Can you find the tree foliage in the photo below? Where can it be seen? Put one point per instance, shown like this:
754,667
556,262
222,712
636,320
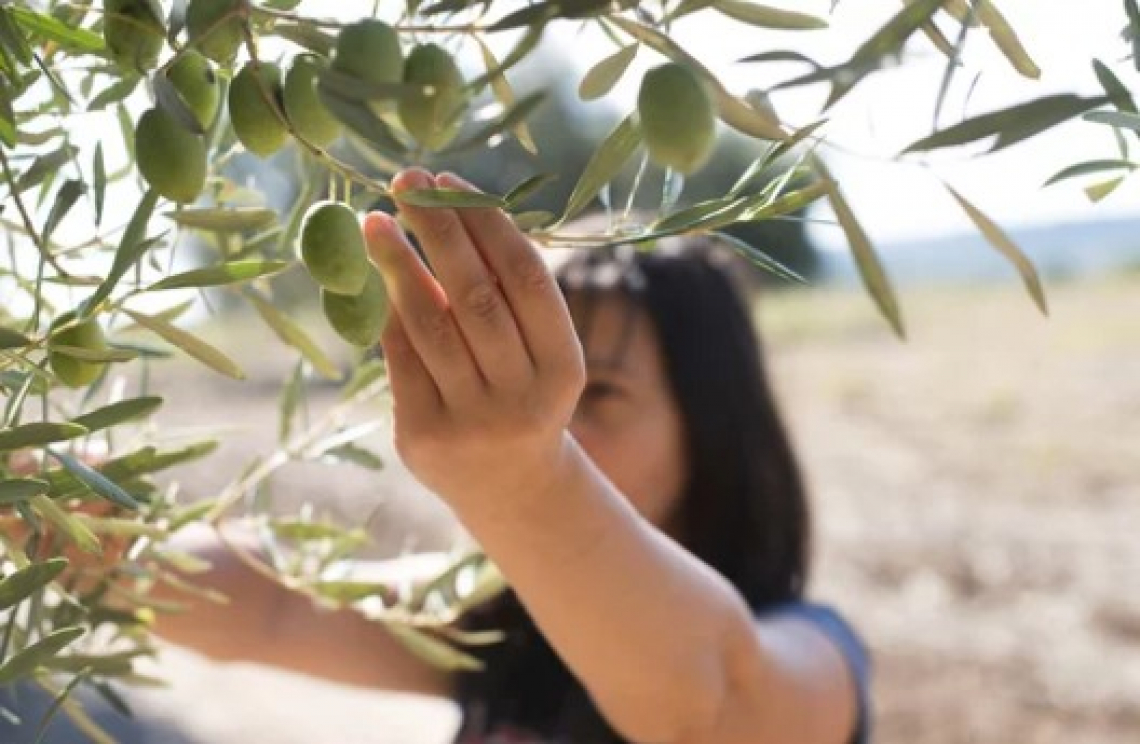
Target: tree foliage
192,94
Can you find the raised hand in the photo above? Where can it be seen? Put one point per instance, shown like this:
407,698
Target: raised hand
483,359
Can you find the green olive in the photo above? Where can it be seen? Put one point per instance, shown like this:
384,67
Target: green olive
70,370
170,157
312,121
677,116
193,76
359,318
332,248
432,109
134,32
257,126
215,27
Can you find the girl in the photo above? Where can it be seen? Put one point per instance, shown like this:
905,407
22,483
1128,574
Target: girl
607,434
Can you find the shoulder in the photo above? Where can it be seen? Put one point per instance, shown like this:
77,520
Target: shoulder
832,625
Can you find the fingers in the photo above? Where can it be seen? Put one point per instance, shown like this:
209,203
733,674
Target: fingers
412,385
419,301
535,300
473,293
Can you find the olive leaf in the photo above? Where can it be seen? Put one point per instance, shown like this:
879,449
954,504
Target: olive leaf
26,581
603,76
26,661
604,165
1002,243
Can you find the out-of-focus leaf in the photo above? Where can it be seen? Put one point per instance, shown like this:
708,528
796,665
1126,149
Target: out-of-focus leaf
356,455
604,165
109,354
132,246
504,94
16,490
120,412
298,530
1099,191
526,188
783,55
533,220
1006,38
8,132
24,582
307,36
12,339
1089,167
75,530
116,92
99,182
65,199
734,112
291,394
888,41
362,122
229,219
602,77
70,38
96,481
769,17
189,343
44,166
508,120
453,198
1115,119
215,276
293,335
24,663
1001,242
866,259
348,592
1115,90
38,434
1010,125
432,650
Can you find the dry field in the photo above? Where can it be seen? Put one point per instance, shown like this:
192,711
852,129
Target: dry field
977,500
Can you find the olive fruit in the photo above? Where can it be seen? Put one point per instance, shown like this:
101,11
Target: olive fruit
193,76
257,125
360,318
134,32
332,248
214,37
369,51
88,335
311,120
677,116
431,109
170,157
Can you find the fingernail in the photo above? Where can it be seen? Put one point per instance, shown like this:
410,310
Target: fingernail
456,181
413,178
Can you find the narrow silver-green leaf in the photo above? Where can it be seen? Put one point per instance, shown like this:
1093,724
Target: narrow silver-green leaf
229,219
871,269
69,37
189,343
758,257
1099,191
1013,124
1115,118
96,481
38,434
15,490
1002,243
99,182
602,77
1089,167
26,581
504,94
132,246
12,339
453,198
65,199
1115,90
768,17
432,650
293,335
28,660
120,412
75,530
109,354
604,165
215,276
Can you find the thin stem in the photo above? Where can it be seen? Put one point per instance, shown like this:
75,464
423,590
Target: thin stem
27,219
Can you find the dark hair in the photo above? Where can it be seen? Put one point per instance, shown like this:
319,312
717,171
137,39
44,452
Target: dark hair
744,510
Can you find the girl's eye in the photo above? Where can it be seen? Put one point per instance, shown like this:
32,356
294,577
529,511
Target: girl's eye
596,391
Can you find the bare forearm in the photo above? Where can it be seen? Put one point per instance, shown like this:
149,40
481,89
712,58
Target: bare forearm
640,620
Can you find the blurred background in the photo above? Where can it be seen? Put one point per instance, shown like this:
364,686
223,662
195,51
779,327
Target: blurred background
975,487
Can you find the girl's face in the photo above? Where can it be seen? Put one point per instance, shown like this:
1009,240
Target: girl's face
627,419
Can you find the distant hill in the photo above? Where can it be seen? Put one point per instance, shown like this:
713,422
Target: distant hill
1059,251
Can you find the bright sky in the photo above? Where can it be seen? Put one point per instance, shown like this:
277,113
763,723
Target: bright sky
886,112
892,109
